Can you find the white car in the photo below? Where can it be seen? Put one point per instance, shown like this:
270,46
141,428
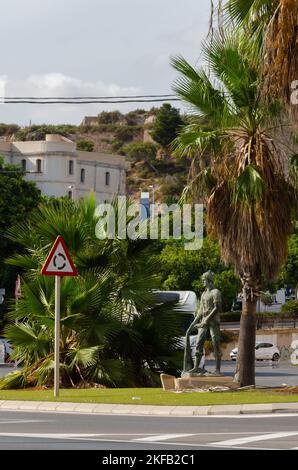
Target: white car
263,351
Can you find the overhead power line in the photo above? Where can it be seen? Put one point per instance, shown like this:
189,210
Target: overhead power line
88,99
84,97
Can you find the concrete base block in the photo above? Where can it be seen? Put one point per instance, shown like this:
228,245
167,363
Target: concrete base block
186,383
167,381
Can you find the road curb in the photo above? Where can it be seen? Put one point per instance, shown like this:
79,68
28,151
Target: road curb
147,410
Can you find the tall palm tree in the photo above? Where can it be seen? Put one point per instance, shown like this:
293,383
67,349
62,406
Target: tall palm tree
113,329
273,27
249,198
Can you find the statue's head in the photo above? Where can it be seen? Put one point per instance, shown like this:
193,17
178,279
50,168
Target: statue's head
208,278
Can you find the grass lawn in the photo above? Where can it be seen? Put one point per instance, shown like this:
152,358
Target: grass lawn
150,396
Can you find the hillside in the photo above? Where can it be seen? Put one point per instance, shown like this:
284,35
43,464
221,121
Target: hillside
127,134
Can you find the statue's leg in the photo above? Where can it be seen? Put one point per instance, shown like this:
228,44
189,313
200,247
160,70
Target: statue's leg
202,332
187,361
215,337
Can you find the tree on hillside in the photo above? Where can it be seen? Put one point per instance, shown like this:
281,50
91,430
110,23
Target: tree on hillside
85,145
166,125
249,198
17,199
138,151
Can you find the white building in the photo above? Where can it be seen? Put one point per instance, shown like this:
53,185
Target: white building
59,169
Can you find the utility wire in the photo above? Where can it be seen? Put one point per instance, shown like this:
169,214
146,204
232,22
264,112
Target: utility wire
83,97
88,101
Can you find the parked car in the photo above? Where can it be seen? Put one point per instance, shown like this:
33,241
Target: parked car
263,351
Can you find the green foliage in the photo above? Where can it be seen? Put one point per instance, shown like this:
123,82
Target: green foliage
135,117
86,145
141,151
127,133
181,269
112,117
166,125
17,199
117,145
38,132
112,330
266,298
289,272
290,308
8,129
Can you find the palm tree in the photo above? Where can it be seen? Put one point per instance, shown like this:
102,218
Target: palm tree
273,28
249,198
113,329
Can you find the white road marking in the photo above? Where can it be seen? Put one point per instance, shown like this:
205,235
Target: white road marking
162,437
247,416
48,435
21,421
245,440
160,441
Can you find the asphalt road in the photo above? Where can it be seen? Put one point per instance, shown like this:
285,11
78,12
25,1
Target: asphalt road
27,430
268,373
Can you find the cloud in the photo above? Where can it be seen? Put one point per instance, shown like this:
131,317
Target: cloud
58,85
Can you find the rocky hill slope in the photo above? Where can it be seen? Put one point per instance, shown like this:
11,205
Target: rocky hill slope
127,134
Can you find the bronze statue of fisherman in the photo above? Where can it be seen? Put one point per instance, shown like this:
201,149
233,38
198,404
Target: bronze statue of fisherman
206,319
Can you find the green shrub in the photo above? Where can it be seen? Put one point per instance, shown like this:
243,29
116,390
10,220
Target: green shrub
116,145
8,129
290,308
110,117
139,151
86,145
38,132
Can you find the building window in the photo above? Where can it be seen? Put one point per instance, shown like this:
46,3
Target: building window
38,165
23,163
108,178
70,194
70,167
83,175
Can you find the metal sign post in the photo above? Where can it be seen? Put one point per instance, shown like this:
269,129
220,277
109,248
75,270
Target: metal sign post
57,337
58,263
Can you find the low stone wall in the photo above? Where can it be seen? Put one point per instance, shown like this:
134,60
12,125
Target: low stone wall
280,337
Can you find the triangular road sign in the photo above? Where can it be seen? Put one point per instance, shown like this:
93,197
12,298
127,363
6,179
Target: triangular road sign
59,262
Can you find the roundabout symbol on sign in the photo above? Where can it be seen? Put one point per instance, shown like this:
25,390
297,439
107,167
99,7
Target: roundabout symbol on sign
63,260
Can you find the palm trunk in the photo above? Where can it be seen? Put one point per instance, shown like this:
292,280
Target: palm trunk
245,369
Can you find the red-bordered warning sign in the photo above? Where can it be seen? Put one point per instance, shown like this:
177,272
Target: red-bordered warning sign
59,262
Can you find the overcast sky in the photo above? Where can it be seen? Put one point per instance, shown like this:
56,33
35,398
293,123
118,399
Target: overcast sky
93,47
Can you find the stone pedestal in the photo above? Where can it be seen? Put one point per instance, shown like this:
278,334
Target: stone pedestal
168,382
187,383
171,383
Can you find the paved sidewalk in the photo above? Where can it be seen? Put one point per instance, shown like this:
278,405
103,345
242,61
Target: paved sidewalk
149,410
